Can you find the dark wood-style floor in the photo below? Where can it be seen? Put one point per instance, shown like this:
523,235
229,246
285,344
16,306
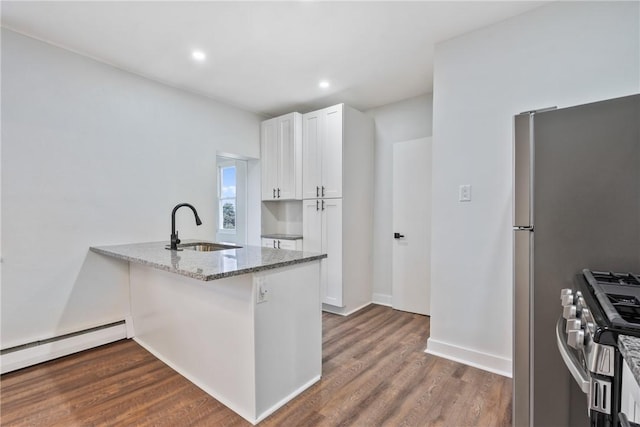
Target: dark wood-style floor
375,373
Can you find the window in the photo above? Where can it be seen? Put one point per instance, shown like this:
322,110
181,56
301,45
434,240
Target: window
232,200
227,199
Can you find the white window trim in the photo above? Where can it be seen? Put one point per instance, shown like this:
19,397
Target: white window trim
240,234
221,166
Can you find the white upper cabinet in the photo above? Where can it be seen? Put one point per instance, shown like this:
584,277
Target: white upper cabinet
332,152
281,157
269,158
311,162
322,153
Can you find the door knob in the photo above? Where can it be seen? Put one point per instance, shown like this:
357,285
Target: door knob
398,236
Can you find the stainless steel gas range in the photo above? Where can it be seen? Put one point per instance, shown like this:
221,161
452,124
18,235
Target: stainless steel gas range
600,307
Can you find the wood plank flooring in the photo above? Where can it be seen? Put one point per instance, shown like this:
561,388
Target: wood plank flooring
375,373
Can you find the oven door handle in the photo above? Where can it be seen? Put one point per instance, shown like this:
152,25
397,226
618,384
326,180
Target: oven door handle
577,371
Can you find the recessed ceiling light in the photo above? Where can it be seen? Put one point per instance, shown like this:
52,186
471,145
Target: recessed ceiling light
324,84
198,55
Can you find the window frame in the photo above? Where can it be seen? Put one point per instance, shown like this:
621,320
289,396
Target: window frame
221,199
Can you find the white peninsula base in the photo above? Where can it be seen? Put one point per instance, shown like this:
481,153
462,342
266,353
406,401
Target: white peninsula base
252,357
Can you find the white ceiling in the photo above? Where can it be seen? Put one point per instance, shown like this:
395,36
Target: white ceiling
266,57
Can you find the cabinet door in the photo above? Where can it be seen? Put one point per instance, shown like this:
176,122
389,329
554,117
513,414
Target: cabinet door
289,146
269,243
332,152
312,129
269,158
331,267
287,244
311,226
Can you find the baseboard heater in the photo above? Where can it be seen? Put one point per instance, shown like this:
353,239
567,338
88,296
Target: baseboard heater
29,354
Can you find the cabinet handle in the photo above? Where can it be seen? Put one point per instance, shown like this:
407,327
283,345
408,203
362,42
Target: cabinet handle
317,191
317,205
323,191
323,205
278,193
274,244
278,244
274,193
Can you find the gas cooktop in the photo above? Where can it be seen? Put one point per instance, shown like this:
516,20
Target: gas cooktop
618,295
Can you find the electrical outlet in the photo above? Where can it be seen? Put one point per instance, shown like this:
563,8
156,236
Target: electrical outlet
262,291
464,193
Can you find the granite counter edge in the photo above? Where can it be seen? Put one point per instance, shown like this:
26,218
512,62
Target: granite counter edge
630,350
208,277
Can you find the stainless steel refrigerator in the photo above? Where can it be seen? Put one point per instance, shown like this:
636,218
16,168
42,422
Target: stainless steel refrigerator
576,205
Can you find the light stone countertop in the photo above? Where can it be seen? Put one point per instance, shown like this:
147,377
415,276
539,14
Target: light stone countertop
206,265
282,236
630,350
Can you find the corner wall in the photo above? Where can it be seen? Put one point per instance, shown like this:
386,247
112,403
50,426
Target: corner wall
92,155
562,54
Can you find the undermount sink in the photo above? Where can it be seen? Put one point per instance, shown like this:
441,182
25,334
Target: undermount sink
206,246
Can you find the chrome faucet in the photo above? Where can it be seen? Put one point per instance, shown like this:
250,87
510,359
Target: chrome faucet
174,234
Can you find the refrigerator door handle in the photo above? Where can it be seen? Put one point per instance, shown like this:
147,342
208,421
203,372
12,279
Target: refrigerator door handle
523,171
522,328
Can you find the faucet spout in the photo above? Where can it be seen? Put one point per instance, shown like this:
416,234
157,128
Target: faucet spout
174,234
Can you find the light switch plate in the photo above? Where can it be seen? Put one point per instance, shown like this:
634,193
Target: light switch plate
464,193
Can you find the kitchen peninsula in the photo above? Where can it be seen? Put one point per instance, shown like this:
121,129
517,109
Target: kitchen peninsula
242,323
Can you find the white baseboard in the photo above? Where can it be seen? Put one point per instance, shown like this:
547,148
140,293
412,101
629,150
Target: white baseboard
342,311
53,349
284,401
477,359
382,299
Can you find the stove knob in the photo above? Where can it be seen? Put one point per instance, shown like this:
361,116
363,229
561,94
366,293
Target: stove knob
576,339
589,327
567,300
573,325
566,291
569,312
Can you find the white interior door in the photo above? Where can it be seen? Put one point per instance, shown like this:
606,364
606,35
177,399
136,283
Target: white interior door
412,220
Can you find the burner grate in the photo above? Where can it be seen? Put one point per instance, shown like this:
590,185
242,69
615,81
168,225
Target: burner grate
624,279
627,306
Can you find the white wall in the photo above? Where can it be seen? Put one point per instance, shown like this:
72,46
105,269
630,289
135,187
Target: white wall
92,155
397,122
562,54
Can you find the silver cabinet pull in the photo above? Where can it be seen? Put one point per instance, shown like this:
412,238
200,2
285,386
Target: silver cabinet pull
323,191
278,244
278,193
323,205
317,205
274,244
274,193
317,191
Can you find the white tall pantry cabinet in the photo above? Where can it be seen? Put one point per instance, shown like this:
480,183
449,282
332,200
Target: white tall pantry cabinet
337,216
